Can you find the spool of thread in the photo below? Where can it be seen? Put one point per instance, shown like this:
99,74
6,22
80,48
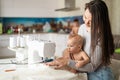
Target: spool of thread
12,42
18,41
22,42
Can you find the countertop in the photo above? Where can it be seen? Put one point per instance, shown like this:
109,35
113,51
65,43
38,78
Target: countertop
9,71
26,33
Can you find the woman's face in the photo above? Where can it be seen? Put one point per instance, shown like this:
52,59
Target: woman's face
87,18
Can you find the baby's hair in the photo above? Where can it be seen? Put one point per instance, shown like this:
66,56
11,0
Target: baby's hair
76,37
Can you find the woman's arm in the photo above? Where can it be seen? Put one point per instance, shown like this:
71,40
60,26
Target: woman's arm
85,60
95,62
87,68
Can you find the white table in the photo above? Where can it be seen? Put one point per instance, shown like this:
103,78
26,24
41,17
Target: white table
10,71
21,54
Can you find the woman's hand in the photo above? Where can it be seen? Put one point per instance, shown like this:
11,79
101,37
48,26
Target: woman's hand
53,63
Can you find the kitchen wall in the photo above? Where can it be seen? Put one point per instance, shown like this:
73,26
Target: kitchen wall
37,8
114,12
28,8
46,8
11,24
116,17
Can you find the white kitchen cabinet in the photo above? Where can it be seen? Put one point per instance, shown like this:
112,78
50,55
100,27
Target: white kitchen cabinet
4,51
59,39
61,42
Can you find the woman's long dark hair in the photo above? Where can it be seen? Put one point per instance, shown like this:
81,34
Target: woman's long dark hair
101,29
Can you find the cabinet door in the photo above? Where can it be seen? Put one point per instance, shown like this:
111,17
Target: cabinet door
4,51
60,41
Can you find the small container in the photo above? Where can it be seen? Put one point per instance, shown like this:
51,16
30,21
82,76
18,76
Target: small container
18,41
22,42
12,42
34,31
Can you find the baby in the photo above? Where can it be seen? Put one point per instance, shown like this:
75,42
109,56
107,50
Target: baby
73,52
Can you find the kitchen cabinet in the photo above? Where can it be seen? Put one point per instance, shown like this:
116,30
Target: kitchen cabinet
61,42
59,39
4,51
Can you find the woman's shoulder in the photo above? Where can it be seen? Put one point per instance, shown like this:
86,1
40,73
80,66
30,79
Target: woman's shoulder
82,26
82,29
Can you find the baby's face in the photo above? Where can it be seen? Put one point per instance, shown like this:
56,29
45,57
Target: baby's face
73,46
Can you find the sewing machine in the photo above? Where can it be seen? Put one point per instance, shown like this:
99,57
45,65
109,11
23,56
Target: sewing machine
40,50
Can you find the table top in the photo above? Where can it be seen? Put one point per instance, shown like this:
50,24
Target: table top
16,49
9,71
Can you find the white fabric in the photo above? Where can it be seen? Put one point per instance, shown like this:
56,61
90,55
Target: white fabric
12,42
39,72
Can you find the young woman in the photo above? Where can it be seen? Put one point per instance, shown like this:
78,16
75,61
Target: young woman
98,42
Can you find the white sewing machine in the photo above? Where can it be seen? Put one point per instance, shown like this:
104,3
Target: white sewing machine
38,51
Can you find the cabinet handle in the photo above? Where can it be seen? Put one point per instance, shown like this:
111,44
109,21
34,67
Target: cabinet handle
3,46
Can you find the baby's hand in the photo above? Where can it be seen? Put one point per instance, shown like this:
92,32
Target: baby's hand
74,71
50,63
58,63
53,63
